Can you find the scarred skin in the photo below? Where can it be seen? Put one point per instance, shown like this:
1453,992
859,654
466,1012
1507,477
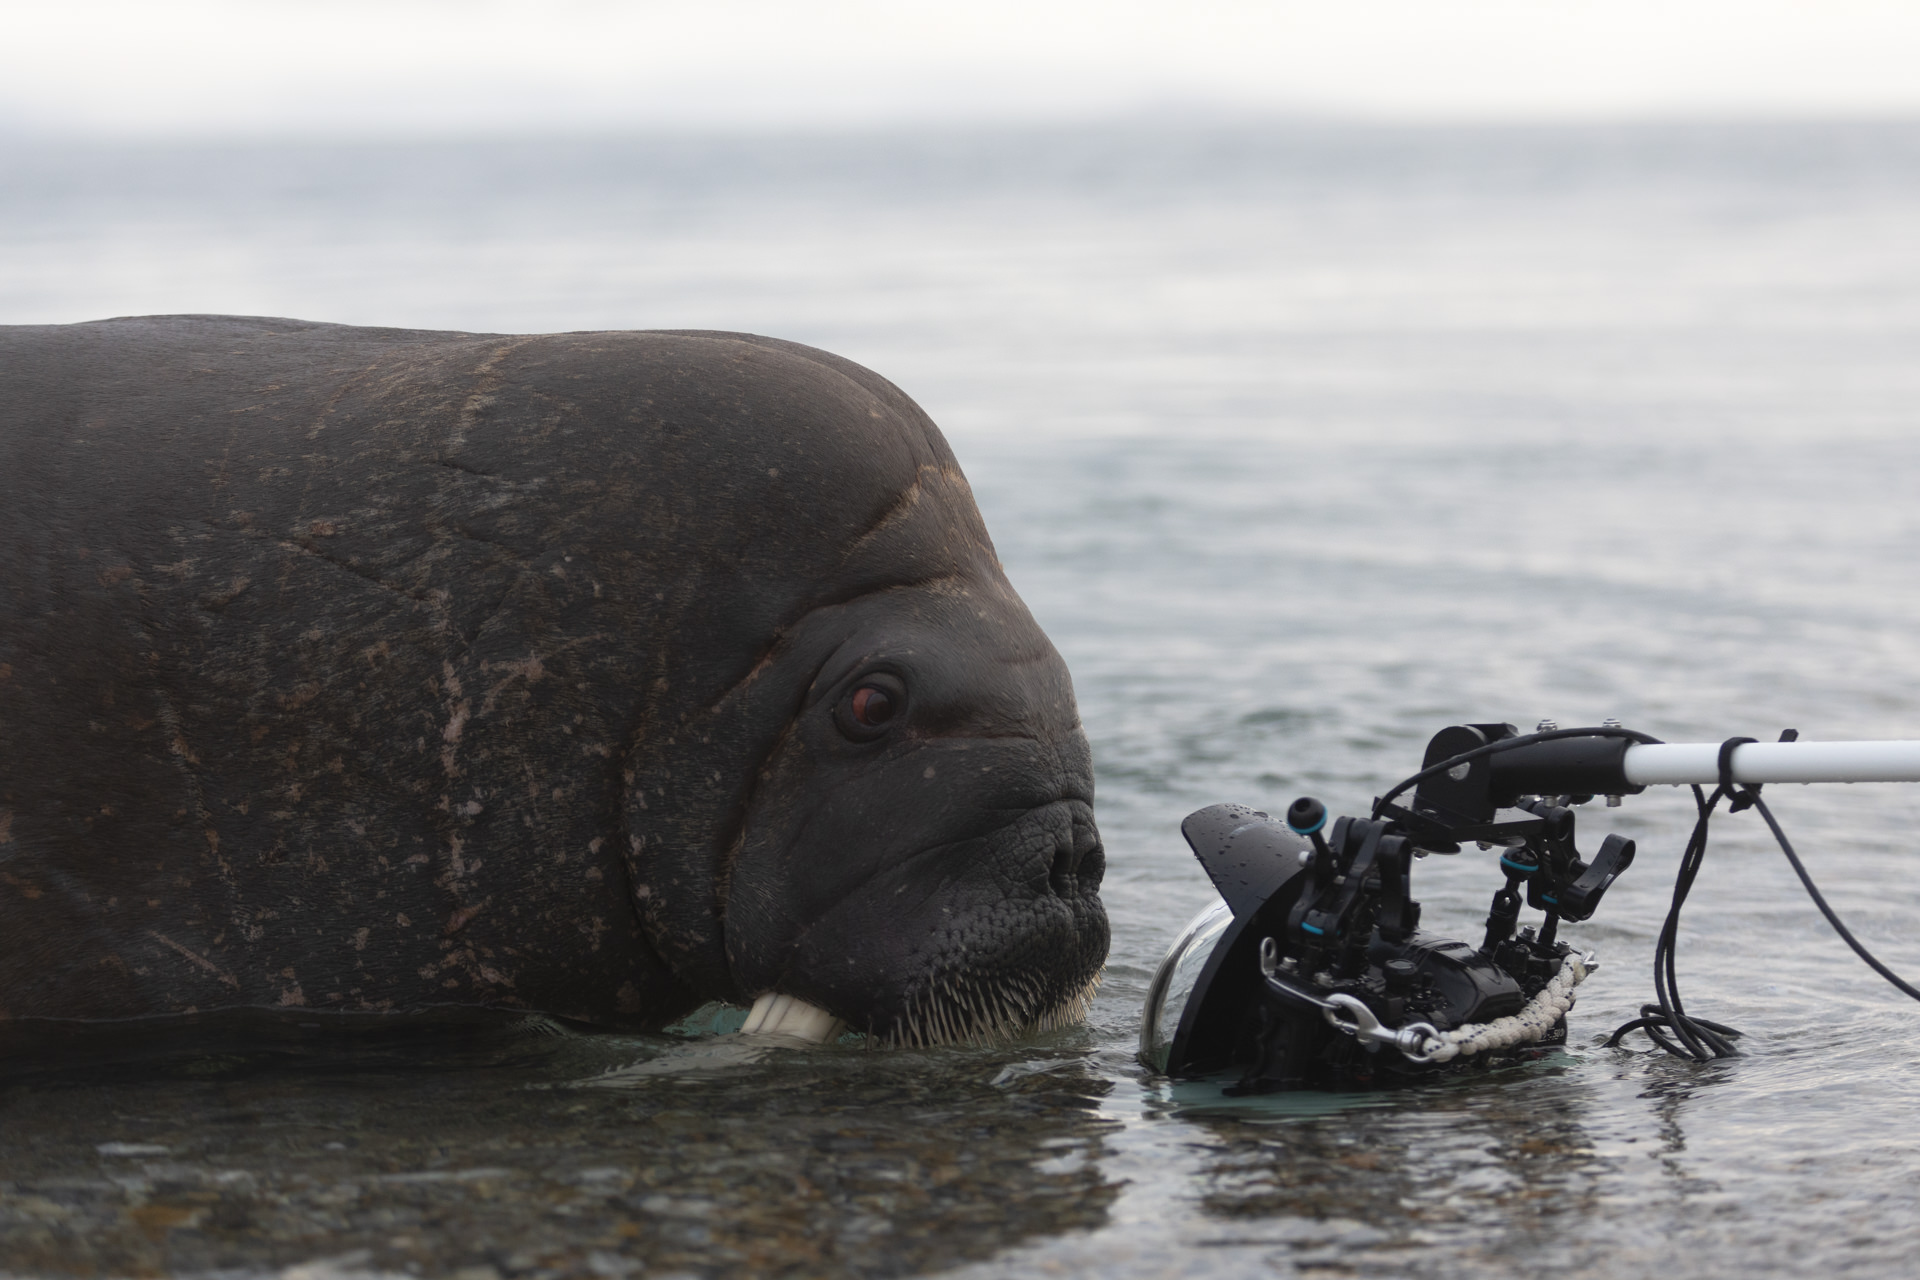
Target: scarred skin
368,670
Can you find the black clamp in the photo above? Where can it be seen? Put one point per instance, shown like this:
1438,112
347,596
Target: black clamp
1740,797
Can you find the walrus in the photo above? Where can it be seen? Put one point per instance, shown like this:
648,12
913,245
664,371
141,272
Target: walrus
598,675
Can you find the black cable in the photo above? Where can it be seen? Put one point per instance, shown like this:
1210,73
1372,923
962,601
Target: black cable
1847,937
1698,1038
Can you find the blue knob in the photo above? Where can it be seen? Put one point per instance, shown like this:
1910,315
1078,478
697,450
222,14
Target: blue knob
1306,816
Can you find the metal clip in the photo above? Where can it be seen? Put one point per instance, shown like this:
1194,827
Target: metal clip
1348,1014
1410,1040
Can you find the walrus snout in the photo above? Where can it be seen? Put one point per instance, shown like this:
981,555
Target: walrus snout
980,938
962,976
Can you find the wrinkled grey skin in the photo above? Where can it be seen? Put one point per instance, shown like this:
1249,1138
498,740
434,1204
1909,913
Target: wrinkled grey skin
371,671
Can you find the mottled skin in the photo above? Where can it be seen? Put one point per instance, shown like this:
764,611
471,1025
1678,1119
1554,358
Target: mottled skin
376,670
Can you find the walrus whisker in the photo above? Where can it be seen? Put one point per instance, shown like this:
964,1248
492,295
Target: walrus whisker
958,1009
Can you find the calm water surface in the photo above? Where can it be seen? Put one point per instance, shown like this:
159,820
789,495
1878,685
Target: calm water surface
1302,443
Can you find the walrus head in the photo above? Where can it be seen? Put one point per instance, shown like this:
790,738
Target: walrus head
884,811
919,857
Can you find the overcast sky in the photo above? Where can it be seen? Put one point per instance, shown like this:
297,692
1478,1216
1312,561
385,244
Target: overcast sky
482,66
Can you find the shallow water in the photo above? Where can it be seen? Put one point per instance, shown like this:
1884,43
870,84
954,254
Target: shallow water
1302,443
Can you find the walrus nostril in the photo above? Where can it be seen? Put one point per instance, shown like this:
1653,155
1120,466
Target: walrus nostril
1092,869
1064,863
1078,861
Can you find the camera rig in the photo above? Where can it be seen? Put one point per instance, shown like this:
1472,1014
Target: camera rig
1313,971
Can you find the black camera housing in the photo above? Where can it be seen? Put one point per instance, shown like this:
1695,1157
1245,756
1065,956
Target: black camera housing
1320,913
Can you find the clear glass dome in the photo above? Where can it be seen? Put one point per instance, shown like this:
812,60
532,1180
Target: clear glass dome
1174,980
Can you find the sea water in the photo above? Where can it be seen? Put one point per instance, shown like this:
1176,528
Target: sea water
1303,441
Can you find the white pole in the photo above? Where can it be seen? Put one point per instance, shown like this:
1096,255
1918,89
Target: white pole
1673,764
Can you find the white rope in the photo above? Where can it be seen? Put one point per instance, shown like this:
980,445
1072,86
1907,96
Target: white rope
1530,1024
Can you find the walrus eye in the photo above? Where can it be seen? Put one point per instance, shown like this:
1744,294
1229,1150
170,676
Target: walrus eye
871,708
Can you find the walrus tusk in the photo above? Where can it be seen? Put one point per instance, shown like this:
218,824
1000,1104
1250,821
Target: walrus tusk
778,1015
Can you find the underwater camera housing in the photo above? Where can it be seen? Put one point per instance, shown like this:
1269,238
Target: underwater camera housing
1313,972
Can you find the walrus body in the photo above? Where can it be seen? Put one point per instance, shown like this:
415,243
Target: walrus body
596,674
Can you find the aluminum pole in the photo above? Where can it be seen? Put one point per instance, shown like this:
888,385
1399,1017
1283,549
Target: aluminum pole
1674,764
